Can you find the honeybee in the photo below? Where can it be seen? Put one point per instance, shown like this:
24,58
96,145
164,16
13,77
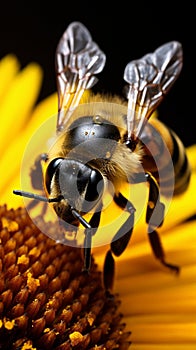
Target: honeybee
107,142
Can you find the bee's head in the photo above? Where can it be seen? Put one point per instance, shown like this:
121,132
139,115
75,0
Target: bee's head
78,185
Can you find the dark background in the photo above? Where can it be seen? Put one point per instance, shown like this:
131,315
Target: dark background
124,31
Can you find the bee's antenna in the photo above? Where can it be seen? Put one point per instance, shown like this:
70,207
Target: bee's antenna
37,196
30,195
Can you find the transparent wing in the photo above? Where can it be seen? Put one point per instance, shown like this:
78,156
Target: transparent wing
149,79
78,58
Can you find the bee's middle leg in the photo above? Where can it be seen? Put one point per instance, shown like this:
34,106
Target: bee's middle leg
119,241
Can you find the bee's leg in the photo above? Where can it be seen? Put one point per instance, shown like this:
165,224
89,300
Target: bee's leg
90,230
119,241
36,171
154,219
87,250
37,177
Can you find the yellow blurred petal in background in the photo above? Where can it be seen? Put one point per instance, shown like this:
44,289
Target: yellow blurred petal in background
9,67
16,149
18,102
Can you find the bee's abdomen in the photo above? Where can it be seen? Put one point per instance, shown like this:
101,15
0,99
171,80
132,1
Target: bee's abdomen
181,165
165,158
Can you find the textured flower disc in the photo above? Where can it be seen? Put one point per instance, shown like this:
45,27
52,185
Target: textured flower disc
46,301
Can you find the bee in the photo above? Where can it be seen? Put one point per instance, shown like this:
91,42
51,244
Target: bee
108,142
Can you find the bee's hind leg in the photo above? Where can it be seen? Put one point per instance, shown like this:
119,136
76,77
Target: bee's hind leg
154,219
119,241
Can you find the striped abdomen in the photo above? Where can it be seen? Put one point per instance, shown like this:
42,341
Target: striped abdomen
165,158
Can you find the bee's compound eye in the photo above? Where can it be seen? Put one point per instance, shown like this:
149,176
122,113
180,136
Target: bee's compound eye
90,186
52,168
95,186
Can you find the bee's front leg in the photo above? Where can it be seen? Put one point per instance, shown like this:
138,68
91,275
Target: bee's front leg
154,219
91,228
89,232
119,241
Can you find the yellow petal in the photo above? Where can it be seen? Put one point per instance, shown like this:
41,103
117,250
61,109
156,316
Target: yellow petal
179,244
9,67
164,333
182,206
191,153
44,110
10,169
158,306
163,318
7,196
18,102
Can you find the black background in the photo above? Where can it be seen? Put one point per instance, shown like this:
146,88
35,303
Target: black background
123,30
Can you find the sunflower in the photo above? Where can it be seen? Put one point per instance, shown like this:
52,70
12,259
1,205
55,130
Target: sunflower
46,302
